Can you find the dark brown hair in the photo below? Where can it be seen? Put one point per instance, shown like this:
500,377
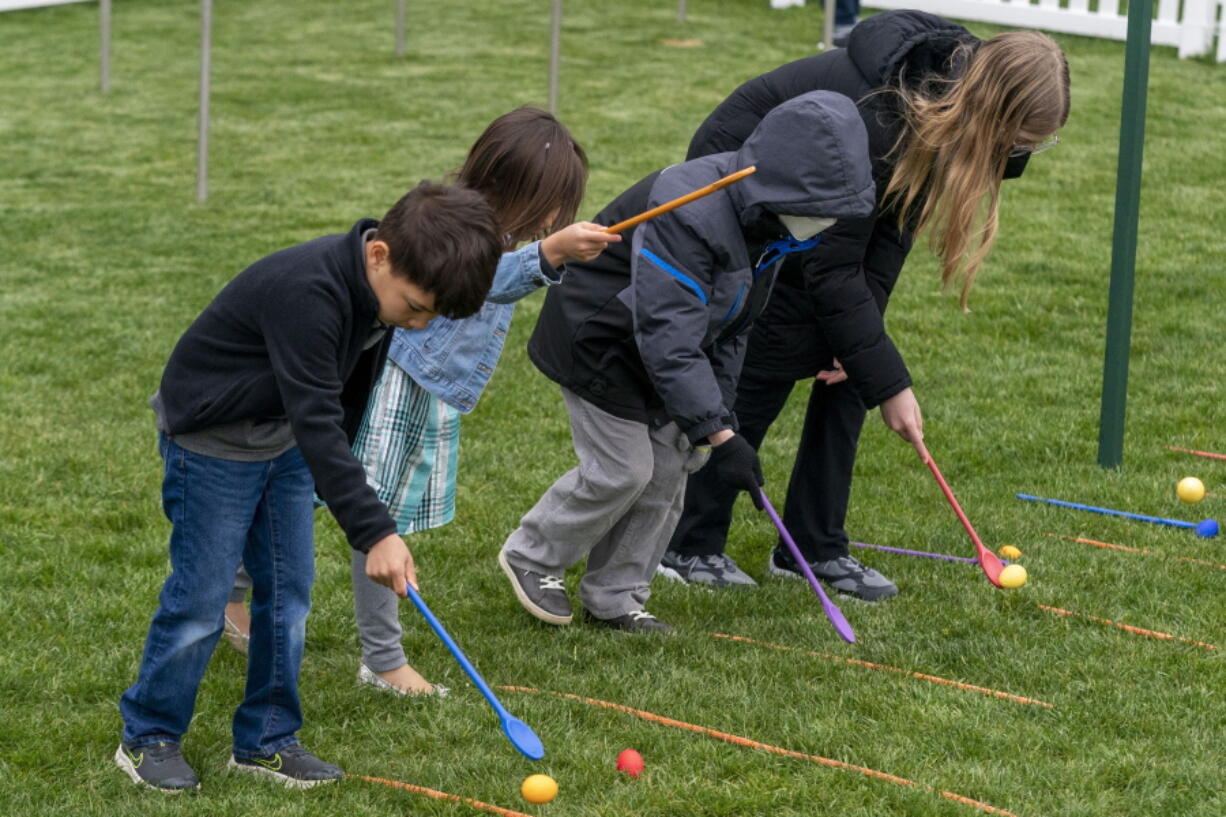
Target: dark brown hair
527,165
444,239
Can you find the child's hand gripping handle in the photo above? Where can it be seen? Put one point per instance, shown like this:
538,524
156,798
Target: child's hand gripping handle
389,563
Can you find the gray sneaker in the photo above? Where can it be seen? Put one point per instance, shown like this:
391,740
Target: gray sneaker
636,621
845,574
717,570
542,595
293,766
157,765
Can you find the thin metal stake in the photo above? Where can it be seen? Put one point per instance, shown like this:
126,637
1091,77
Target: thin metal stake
202,146
400,15
104,53
555,40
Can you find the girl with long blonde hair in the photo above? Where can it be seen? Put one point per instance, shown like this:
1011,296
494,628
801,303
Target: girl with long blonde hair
961,137
949,116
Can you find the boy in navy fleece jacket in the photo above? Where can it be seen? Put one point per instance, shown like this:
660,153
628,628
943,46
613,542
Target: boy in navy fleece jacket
256,412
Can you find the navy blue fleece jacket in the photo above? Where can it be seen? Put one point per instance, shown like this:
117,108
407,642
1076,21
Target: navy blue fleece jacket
286,338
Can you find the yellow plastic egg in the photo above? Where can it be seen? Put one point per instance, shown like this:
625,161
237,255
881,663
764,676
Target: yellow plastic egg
539,788
1190,490
1013,576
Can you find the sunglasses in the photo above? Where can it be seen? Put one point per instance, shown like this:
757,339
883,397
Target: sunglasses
1034,148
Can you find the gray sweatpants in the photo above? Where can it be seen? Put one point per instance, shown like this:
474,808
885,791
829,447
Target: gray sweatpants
618,508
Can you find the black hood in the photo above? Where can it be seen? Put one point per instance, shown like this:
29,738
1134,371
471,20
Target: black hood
881,45
812,158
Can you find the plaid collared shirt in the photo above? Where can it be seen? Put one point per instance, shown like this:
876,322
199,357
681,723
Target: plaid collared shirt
409,445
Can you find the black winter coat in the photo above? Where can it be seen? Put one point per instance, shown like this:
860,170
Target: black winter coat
654,329
849,276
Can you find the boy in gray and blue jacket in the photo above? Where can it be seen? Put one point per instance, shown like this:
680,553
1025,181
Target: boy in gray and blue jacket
647,343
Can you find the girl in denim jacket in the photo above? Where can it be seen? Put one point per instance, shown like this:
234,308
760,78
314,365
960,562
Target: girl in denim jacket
532,171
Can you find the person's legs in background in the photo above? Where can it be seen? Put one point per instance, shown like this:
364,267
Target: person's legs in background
818,492
696,551
384,664
238,618
846,15
820,484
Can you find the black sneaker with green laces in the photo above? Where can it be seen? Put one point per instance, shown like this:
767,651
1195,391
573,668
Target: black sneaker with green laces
293,766
157,765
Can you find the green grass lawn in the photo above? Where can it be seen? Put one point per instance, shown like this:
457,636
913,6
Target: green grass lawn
105,258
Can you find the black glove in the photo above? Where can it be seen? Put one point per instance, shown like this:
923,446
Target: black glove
736,464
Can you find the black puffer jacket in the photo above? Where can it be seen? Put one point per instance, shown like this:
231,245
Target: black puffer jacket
654,329
849,276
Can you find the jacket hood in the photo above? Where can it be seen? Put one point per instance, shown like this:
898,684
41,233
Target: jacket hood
812,158
883,44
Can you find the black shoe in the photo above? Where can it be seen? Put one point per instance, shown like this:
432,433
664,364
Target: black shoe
845,574
294,766
636,621
542,595
158,765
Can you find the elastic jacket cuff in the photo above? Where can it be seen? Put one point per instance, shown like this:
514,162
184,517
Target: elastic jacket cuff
877,373
547,275
365,544
697,435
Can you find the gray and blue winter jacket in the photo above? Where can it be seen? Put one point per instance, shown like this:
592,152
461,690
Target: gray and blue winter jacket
654,329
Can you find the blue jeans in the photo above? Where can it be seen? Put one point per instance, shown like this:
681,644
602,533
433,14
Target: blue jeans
224,512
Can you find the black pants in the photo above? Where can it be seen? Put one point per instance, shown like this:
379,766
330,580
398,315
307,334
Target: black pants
817,495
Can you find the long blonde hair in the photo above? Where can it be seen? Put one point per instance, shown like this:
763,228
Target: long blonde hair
958,134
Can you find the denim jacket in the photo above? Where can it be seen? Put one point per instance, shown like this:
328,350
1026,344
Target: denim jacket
454,359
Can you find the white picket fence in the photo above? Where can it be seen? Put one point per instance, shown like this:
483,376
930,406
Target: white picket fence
1193,32
13,5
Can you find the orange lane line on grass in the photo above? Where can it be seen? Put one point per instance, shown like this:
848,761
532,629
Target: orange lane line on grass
1208,454
1110,546
765,747
1128,627
440,795
859,663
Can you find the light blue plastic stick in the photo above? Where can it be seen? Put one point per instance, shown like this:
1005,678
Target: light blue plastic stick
519,733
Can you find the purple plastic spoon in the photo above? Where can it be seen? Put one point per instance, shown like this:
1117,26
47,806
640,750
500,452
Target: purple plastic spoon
841,625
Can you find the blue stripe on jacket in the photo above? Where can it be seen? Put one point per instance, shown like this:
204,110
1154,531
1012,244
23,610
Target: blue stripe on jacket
676,273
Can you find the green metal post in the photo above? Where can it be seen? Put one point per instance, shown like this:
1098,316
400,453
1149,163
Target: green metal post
1124,238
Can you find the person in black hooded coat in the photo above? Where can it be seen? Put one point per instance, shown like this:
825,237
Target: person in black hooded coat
647,342
825,322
